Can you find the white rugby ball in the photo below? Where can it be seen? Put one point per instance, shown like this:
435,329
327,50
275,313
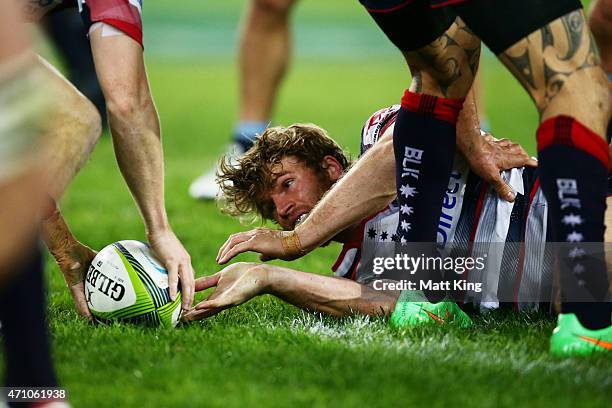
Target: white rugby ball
126,282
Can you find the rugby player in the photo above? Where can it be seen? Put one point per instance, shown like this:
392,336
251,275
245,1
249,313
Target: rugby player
548,48
23,110
288,171
115,33
265,36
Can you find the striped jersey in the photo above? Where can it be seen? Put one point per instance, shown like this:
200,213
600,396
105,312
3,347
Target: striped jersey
475,216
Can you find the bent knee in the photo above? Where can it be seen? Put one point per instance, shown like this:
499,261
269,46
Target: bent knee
92,119
87,117
79,113
126,104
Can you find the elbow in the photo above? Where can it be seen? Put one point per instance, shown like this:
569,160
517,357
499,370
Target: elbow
85,117
127,106
385,157
92,123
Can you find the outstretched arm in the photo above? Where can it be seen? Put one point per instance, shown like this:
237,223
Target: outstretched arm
136,136
240,282
369,185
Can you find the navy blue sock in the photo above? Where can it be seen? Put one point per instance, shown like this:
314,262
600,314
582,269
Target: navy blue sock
424,141
573,165
246,132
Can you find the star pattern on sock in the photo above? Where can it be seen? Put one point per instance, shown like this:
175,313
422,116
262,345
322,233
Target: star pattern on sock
579,269
404,209
574,237
407,191
572,220
576,253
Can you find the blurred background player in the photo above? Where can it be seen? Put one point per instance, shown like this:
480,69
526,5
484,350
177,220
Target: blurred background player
114,28
23,324
265,36
600,21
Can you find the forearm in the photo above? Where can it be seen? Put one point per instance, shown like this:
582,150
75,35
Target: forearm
330,295
133,121
469,139
137,142
367,187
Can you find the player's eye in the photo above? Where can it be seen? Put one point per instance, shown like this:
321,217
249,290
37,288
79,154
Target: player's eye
287,183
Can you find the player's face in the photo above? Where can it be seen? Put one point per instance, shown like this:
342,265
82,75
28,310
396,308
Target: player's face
295,190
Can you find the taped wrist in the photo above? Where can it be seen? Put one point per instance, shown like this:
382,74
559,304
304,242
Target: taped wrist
292,245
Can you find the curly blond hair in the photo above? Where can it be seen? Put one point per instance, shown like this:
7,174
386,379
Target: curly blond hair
245,186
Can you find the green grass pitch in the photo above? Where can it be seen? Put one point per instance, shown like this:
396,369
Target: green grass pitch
268,353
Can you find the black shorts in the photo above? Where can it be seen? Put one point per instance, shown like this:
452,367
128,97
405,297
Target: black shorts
502,23
412,24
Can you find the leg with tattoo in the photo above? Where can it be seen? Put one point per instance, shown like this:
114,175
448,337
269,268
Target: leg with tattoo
425,130
559,66
556,61
443,55
600,22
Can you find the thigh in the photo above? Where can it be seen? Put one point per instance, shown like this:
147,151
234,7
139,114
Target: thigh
550,52
502,23
447,66
441,52
409,25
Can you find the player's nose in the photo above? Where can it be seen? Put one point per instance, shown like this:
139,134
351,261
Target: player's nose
286,208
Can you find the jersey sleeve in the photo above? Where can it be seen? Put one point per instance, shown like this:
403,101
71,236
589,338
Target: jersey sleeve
376,125
124,15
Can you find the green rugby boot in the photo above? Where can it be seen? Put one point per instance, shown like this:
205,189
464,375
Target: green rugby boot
413,314
571,339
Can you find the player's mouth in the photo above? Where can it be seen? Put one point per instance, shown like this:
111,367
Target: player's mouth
300,219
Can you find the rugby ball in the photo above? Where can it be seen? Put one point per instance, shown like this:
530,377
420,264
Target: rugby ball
125,282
